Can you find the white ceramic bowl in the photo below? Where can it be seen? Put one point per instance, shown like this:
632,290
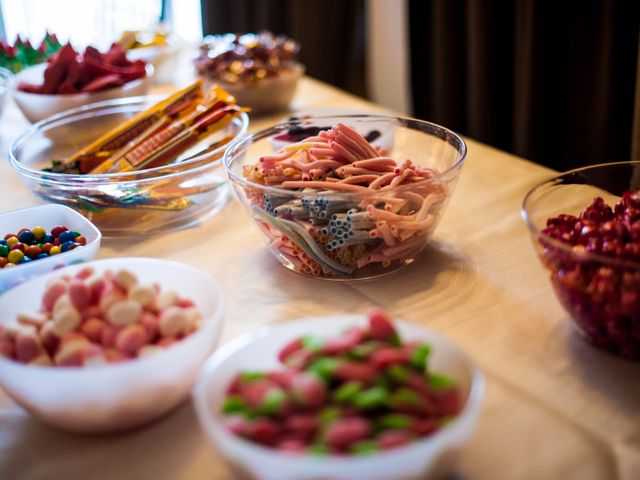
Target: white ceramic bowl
258,350
5,82
269,95
117,396
38,106
165,58
47,216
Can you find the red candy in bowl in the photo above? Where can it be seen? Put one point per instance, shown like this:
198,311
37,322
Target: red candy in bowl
70,80
585,225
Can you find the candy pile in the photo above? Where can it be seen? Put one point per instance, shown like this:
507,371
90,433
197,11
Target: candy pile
156,136
92,319
68,72
386,219
23,54
602,296
35,244
363,391
248,58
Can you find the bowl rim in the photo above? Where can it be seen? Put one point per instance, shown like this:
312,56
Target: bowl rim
51,259
583,256
215,317
252,137
219,357
149,68
154,173
7,75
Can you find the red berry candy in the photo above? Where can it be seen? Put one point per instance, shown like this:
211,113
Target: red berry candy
602,297
18,246
56,231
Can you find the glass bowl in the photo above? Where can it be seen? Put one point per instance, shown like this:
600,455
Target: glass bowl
600,293
338,235
430,457
115,396
123,204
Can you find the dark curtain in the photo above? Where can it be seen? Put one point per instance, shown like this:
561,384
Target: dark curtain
331,32
553,82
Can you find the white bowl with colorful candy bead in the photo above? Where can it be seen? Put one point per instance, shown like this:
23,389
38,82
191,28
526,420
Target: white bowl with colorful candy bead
108,345
340,397
30,242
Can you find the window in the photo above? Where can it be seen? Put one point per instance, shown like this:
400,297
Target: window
97,22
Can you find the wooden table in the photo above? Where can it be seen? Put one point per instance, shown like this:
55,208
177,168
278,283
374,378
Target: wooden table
554,408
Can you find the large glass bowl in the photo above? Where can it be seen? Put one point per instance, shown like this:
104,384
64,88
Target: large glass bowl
341,238
123,204
601,294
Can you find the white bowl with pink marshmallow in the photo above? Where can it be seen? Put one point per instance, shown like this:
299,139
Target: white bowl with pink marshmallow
119,355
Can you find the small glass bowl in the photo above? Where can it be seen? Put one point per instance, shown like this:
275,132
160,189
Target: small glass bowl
429,457
322,247
601,294
123,204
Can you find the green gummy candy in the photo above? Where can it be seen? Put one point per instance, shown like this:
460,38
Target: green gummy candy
347,391
382,381
362,351
318,450
324,367
372,398
312,343
328,415
393,420
235,404
438,381
419,357
397,373
364,447
273,401
251,376
395,340
404,396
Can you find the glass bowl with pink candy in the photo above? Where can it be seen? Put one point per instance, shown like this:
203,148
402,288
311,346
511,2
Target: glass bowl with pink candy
108,345
340,397
337,207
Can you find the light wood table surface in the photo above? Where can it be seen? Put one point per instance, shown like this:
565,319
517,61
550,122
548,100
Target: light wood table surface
554,409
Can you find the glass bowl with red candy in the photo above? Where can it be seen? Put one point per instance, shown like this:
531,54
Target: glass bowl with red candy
585,226
340,397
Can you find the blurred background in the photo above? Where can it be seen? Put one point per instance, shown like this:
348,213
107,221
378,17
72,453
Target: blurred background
554,82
